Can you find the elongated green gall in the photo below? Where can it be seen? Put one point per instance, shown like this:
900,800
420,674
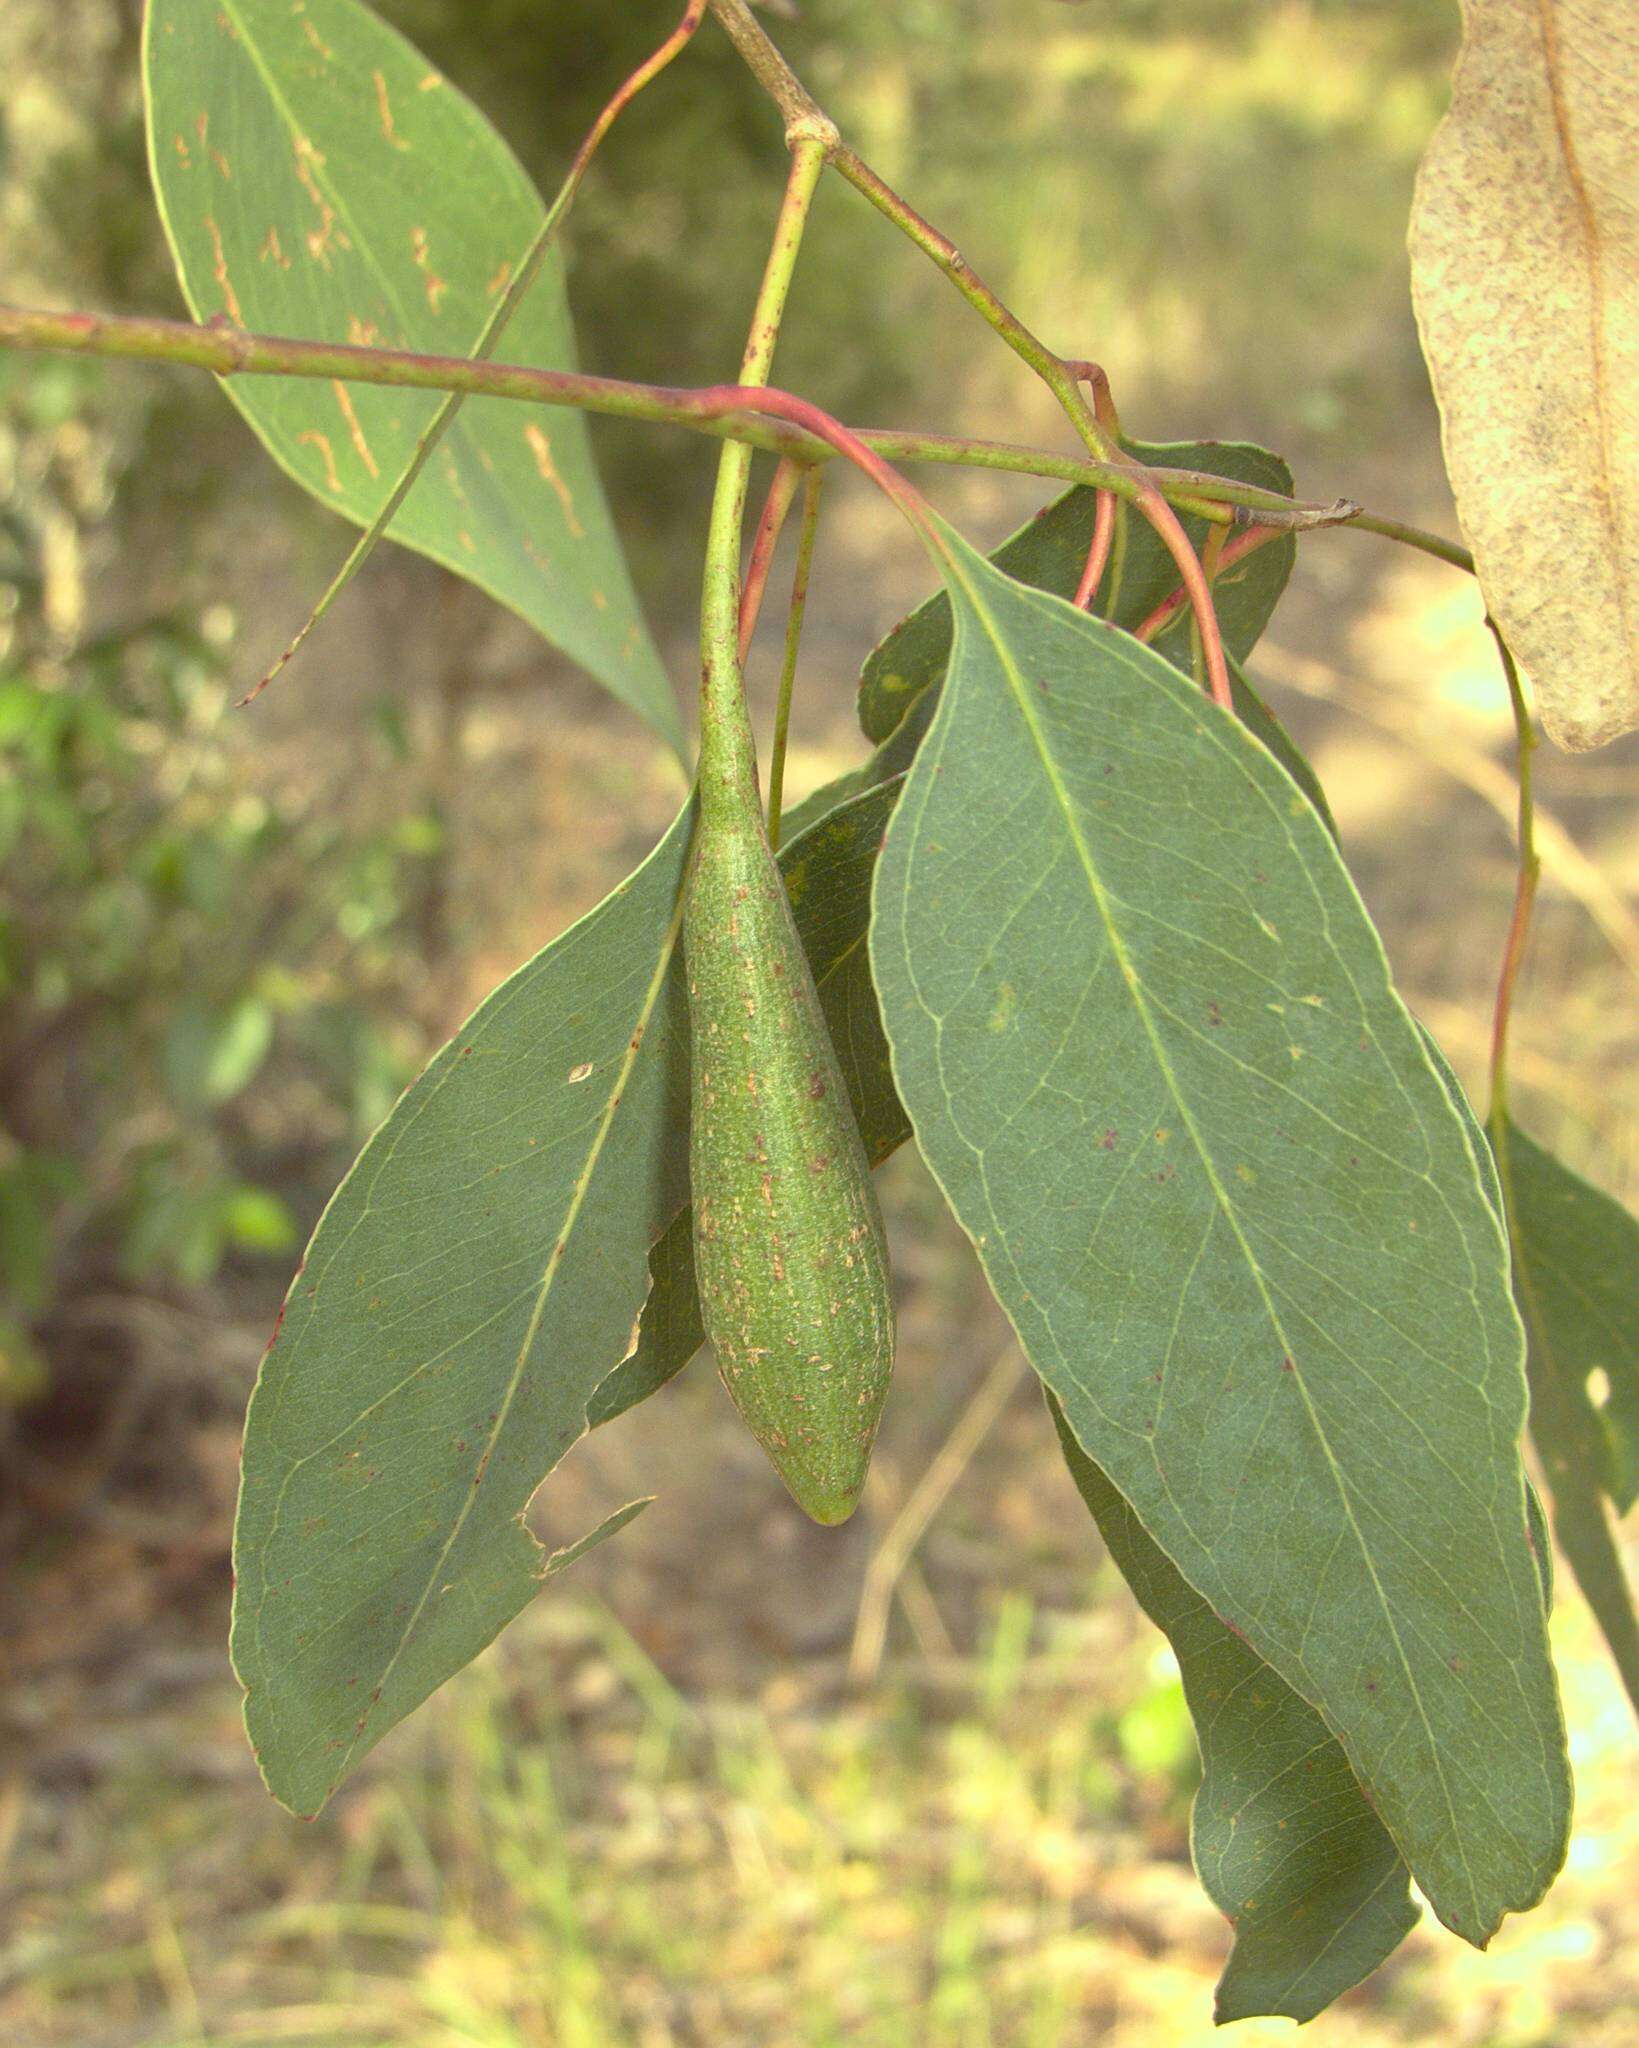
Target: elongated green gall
790,1254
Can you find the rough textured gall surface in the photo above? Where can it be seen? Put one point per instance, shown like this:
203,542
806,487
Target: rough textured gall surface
790,1253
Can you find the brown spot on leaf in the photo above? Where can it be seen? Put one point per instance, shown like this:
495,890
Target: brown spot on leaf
219,270
361,447
436,287
327,455
384,108
541,448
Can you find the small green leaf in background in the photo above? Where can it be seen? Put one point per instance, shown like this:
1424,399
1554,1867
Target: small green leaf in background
474,1278
1049,553
1576,1278
827,872
1286,1844
211,1055
318,178
1145,1033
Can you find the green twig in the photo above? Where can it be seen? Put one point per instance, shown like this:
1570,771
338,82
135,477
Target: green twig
1417,537
728,751
793,641
229,351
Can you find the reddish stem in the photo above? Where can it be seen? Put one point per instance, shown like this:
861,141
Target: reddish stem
1197,585
1093,375
648,70
781,492
1233,551
1098,554
1171,529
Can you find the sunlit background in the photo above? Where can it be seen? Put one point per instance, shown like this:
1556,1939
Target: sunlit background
735,1780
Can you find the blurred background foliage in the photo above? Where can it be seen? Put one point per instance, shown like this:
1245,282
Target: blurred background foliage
227,938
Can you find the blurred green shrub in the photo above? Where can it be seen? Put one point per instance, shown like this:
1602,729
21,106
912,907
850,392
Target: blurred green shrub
203,992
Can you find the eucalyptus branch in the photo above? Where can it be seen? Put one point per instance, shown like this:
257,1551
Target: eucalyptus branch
1061,376
1098,551
1417,537
1215,561
1058,375
728,748
765,63
228,351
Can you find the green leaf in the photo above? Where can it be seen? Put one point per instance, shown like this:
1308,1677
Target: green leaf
317,178
827,872
1049,553
1576,1278
474,1278
1147,1039
1283,1838
211,1055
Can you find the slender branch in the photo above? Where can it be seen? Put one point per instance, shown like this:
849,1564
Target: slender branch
1098,552
1525,888
1063,378
1093,375
1059,376
765,63
813,480
728,748
1167,524
782,491
1118,561
1412,537
915,1516
522,278
228,351
1236,550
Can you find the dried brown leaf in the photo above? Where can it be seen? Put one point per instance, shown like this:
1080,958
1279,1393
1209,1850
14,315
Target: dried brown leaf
1525,274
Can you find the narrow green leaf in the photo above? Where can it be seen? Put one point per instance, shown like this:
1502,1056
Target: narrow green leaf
318,178
1576,1278
828,875
1147,1039
474,1278
1049,552
1283,1838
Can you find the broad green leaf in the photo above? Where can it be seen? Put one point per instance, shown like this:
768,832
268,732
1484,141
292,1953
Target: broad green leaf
318,178
827,873
1049,553
1147,1039
474,1278
1576,1278
1285,1842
